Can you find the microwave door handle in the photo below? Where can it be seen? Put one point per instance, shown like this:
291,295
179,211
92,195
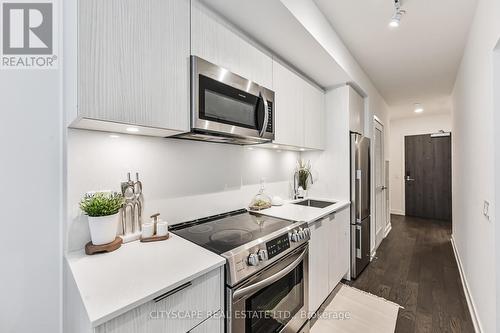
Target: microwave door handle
270,280
266,115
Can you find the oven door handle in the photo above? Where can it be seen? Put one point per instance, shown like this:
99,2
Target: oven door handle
270,280
266,115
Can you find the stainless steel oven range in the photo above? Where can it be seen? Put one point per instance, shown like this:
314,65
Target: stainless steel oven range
266,269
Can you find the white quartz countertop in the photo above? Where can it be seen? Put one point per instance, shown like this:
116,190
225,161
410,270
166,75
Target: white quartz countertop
111,284
292,212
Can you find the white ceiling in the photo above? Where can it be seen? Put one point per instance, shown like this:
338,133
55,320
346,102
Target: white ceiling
415,63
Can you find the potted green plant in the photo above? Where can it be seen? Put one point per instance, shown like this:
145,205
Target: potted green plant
304,176
102,209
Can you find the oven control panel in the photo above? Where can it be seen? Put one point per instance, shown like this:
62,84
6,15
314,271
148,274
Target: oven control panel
277,246
251,260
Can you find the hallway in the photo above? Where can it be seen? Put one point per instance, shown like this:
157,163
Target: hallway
416,268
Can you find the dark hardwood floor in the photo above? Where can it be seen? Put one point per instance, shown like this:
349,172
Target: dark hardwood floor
416,268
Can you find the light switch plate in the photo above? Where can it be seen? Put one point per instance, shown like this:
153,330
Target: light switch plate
486,209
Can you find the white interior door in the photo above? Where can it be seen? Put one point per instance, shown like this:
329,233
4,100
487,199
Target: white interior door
380,188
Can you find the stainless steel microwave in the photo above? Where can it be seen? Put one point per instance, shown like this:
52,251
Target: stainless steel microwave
228,108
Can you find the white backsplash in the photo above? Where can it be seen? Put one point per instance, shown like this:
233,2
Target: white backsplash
182,180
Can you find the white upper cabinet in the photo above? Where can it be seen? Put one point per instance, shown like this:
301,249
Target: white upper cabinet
217,42
314,117
289,129
127,63
356,111
132,64
300,110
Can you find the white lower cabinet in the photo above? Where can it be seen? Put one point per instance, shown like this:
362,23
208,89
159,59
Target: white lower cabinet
339,246
211,325
329,256
185,309
318,264
344,217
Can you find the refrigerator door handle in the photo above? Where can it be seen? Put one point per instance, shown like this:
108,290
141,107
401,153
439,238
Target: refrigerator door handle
358,242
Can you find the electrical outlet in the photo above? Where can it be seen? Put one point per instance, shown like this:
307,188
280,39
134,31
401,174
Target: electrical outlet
486,209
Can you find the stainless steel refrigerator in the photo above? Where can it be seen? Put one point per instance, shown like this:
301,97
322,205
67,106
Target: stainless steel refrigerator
360,203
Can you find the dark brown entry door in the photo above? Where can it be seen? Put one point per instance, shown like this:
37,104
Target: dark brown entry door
428,176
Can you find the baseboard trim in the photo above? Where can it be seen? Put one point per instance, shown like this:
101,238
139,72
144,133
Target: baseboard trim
388,229
397,212
470,302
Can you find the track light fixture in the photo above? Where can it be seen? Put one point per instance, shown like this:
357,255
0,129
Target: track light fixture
398,13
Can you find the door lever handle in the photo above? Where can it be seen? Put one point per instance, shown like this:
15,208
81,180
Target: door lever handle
408,179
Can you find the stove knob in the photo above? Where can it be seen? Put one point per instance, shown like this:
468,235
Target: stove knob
263,255
253,259
295,236
307,232
302,235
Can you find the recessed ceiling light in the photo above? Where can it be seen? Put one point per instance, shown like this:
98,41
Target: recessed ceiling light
250,148
275,146
114,136
302,149
418,108
132,129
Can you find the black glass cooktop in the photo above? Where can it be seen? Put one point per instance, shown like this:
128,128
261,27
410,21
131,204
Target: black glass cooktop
224,232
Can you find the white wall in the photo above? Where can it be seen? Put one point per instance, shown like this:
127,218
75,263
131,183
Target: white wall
31,201
496,208
182,180
473,161
399,129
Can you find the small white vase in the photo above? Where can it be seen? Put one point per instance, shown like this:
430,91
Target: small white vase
103,229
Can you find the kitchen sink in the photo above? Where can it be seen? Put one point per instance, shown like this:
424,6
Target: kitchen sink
314,203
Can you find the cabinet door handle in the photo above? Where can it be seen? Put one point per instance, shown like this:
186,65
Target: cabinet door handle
173,291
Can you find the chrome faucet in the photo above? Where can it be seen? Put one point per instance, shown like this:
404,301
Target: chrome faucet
295,185
133,205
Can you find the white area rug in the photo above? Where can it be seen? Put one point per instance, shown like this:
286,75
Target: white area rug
355,311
